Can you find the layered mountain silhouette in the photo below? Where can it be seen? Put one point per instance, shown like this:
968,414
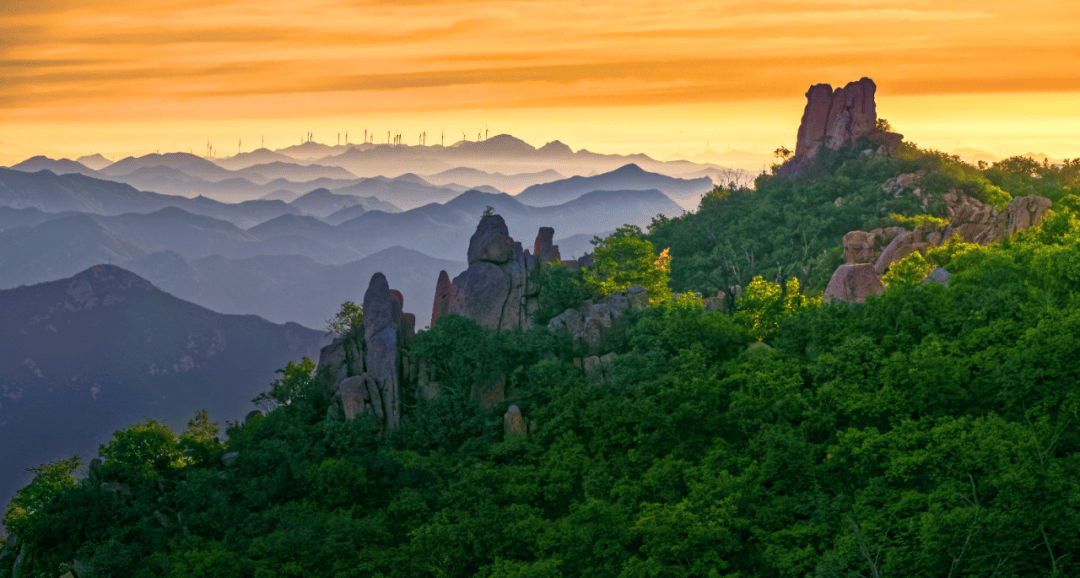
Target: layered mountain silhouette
84,356
53,226
323,203
686,192
58,166
95,161
54,193
293,287
473,178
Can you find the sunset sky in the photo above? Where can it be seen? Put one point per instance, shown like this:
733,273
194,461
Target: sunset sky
124,77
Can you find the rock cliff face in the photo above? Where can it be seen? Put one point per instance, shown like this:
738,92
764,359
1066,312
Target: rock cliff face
496,290
369,370
835,117
868,254
591,323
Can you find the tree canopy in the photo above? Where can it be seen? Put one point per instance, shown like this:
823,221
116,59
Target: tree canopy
930,431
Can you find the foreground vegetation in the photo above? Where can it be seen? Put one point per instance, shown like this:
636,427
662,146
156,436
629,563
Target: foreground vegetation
930,432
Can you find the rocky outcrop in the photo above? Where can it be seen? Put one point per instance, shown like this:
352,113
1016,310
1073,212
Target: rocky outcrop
367,369
498,289
592,322
543,249
599,369
382,319
970,221
976,222
443,290
854,282
514,423
832,118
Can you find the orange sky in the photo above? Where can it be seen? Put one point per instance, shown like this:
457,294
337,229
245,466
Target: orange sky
134,76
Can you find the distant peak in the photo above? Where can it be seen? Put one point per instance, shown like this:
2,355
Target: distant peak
555,147
108,277
629,168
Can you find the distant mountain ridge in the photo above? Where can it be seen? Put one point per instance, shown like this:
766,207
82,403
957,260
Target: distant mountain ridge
686,192
84,356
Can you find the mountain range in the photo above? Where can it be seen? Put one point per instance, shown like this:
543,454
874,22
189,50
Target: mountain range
686,192
84,356
71,222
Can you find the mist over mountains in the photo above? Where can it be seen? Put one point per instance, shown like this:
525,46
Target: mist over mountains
205,229
162,284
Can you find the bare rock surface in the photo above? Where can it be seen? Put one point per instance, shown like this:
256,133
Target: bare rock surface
491,242
836,117
591,322
368,371
514,423
853,282
443,291
498,289
970,221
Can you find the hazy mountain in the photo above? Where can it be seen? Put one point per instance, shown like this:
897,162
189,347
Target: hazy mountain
443,231
59,248
94,161
311,150
407,193
58,166
472,178
255,157
295,288
53,193
281,195
84,356
302,225
348,213
733,158
41,246
575,246
29,217
294,172
173,228
322,203
503,154
187,163
973,156
686,192
376,160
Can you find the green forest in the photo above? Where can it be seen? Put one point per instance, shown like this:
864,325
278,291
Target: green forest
931,431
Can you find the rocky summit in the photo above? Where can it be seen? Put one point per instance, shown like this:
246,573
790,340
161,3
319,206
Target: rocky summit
497,290
367,371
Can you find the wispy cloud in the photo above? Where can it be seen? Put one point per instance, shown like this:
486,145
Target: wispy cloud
77,61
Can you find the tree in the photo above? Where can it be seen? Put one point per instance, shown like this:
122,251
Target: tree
350,317
50,480
200,440
624,259
295,380
145,448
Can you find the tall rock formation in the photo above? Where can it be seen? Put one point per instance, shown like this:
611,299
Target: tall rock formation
368,369
835,117
497,289
443,290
